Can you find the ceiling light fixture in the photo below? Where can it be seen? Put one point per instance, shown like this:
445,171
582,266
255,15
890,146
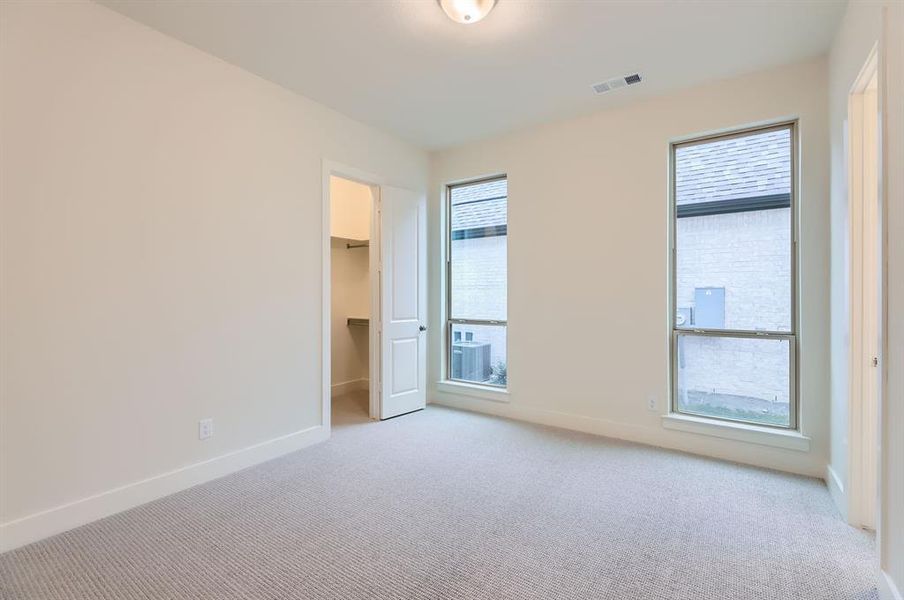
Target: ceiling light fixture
467,11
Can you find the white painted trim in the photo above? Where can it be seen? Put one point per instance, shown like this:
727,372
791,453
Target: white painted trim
475,391
742,432
732,129
355,385
651,436
864,296
37,526
836,491
375,331
325,301
887,588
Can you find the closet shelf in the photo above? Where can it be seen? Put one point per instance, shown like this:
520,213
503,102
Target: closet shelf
358,322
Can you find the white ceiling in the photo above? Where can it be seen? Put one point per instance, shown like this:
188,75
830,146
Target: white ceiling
403,66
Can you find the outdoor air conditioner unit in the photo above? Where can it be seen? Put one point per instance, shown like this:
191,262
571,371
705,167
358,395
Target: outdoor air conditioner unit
471,361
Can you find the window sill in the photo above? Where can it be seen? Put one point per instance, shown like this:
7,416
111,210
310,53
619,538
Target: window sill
765,436
473,390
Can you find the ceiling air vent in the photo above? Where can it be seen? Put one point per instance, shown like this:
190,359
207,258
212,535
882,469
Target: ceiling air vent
601,88
615,83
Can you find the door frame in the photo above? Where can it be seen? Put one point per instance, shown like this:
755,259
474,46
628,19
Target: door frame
375,182
866,295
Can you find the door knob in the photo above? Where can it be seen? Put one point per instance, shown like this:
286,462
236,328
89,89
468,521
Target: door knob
422,328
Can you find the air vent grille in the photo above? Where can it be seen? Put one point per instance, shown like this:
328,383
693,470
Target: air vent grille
616,82
600,88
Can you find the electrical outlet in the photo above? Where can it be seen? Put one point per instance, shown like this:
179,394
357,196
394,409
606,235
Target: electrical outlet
651,402
205,429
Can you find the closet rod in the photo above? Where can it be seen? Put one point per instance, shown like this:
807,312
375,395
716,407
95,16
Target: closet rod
364,245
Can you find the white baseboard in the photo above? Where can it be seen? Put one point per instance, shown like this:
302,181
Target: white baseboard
887,588
349,386
547,417
836,490
32,528
650,436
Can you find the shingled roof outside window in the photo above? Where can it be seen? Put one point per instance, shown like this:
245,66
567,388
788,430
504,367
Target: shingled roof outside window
479,210
750,172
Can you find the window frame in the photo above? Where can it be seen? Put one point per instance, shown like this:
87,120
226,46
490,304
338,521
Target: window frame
450,322
792,336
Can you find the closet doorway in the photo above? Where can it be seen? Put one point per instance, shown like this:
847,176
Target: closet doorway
354,261
374,328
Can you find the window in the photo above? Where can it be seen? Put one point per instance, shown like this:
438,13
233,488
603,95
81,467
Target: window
476,278
734,259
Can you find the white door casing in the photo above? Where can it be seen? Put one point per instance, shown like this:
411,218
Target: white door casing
403,295
865,289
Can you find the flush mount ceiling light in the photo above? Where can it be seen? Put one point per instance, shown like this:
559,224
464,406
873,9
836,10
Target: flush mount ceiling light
467,11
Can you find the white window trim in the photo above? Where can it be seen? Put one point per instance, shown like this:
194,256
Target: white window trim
788,439
718,425
475,390
447,384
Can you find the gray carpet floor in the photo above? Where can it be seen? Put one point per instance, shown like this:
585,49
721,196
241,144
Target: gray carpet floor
448,504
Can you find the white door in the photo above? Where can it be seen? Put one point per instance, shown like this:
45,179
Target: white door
403,301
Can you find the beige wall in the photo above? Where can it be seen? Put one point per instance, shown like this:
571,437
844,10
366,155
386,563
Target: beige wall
161,253
588,260
349,209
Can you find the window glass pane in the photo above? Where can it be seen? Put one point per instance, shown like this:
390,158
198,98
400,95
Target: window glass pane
478,354
743,379
733,233
478,250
